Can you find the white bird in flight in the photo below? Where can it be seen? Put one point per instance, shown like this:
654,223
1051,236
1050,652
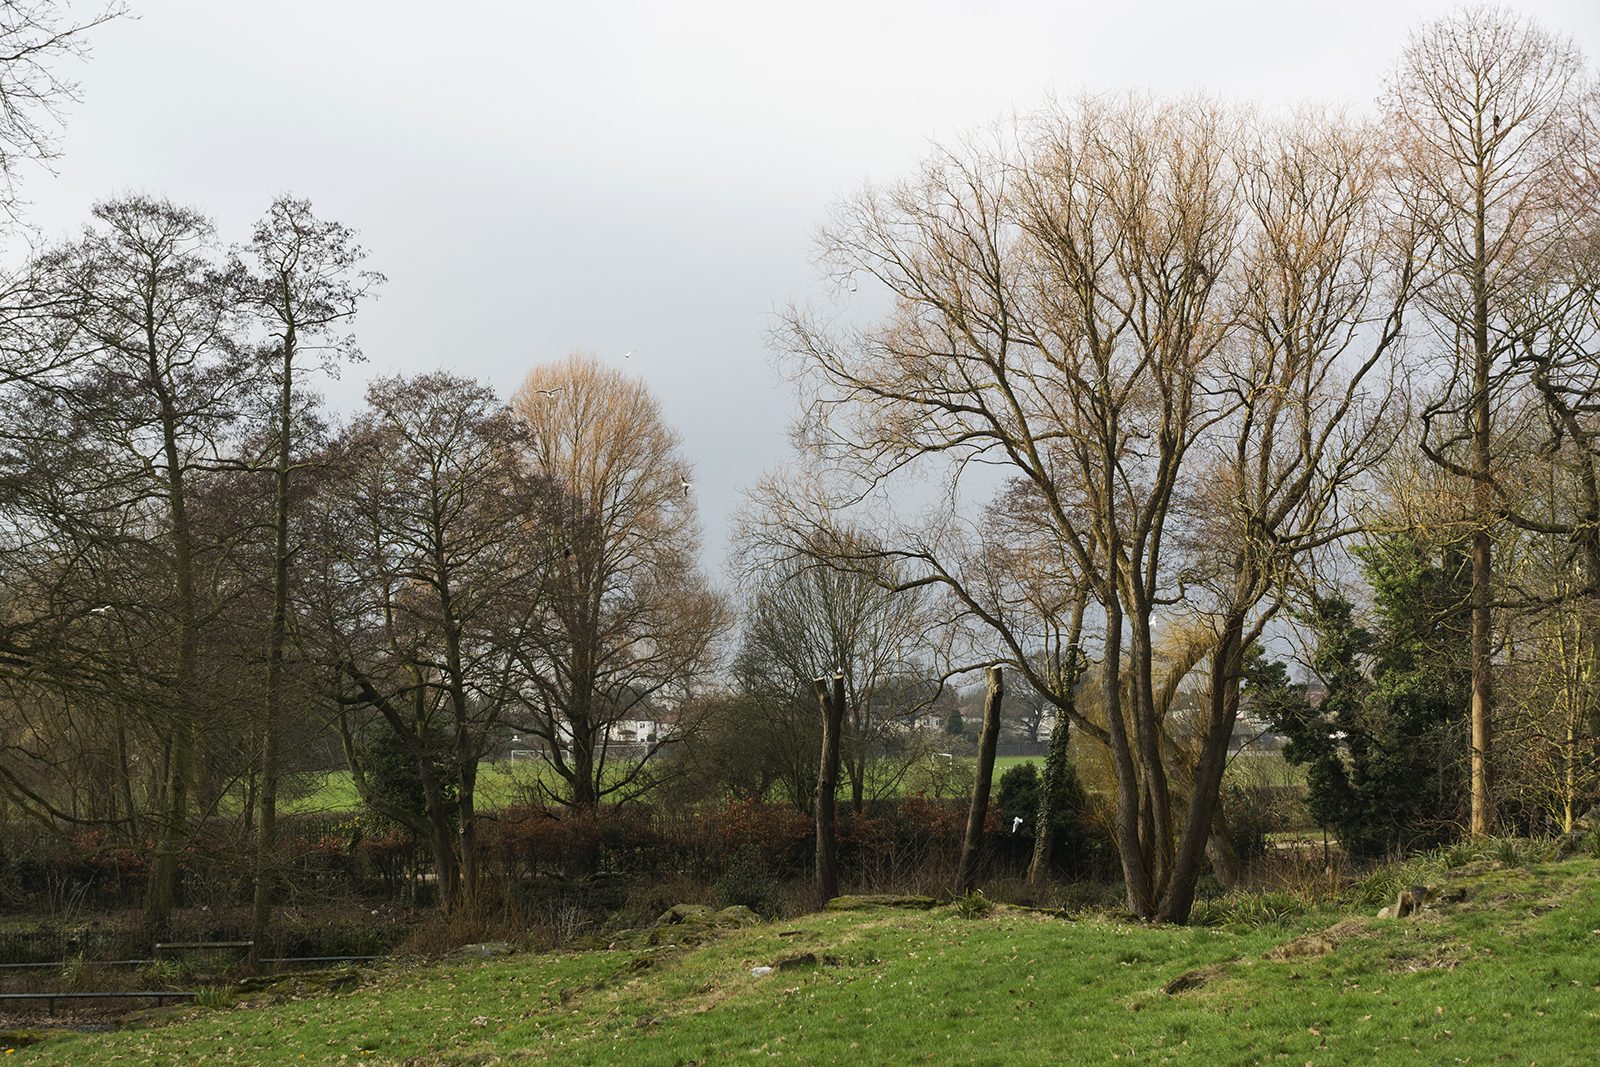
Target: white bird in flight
687,485
629,352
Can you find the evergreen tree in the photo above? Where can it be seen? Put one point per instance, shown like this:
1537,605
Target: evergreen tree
1385,749
955,725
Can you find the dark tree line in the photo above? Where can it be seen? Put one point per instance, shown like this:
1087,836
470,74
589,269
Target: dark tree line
206,583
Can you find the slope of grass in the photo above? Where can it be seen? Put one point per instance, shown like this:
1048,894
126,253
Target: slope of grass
1513,975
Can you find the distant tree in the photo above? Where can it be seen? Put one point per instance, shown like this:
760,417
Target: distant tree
425,582
954,725
806,620
1027,713
1017,793
629,624
1052,812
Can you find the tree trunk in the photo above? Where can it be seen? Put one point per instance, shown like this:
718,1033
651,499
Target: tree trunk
1225,861
1064,682
827,787
1126,824
1483,509
1055,771
161,893
277,634
967,872
1227,663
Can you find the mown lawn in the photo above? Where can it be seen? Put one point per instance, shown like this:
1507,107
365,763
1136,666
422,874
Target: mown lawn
1513,975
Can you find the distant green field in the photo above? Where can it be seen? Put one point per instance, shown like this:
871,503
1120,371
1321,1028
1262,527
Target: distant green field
499,785
504,784
323,792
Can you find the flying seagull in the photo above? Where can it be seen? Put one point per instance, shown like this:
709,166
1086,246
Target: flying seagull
687,485
548,392
629,352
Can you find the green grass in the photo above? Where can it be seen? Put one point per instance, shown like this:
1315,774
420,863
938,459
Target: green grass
1002,764
499,785
1514,972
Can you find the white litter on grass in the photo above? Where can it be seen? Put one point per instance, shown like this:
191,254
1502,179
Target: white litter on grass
757,972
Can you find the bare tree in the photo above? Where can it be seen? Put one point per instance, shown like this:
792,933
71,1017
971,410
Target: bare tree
1074,310
34,38
1484,110
144,302
428,580
1312,385
305,288
807,620
629,624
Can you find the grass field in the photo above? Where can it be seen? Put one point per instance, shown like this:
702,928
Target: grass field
1512,975
499,784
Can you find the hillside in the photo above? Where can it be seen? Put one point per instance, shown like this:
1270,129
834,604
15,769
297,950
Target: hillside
1511,974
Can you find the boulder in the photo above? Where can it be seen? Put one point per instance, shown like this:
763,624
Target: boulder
300,984
690,924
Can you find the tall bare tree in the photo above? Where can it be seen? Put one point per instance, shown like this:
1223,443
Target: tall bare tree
630,623
1074,308
305,287
1484,110
146,302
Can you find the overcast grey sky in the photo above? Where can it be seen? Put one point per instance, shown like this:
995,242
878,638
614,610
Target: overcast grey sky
536,177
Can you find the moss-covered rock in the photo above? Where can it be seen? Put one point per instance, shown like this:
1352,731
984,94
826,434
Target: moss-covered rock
300,984
881,900
737,915
149,1018
22,1037
693,924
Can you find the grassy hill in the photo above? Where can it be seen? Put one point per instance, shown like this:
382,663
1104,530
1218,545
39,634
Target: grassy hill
1510,975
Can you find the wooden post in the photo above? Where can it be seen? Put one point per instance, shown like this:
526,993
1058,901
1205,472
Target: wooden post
827,786
967,873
